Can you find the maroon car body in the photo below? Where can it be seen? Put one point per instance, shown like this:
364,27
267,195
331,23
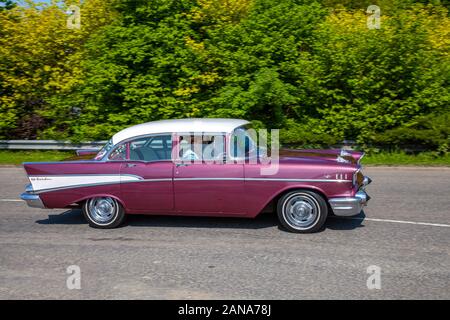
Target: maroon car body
137,172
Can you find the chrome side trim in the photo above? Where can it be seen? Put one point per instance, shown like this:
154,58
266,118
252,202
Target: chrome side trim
349,206
262,179
152,180
32,200
298,180
208,179
87,174
100,184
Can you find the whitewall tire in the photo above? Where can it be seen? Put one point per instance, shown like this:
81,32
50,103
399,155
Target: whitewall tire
302,211
103,212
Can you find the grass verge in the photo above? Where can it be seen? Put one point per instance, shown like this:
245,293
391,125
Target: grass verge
19,156
402,159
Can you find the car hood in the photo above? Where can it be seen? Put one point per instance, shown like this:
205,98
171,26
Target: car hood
335,155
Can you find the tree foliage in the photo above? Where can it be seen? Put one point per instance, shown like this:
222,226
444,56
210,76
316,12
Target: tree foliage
313,69
40,61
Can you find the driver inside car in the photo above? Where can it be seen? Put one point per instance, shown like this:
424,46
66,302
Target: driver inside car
187,149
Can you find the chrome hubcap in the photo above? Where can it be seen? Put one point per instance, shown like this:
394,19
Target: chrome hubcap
300,211
102,210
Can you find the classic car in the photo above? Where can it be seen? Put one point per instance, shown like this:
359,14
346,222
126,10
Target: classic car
154,168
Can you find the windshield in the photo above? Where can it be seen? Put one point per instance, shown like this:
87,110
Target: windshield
104,150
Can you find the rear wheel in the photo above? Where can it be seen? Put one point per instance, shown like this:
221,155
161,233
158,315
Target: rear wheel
103,212
302,211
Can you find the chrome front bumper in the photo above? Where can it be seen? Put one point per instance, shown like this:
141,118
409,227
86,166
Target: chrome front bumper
351,206
32,200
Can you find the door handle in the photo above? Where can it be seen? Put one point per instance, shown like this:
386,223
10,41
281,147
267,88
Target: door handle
181,165
130,165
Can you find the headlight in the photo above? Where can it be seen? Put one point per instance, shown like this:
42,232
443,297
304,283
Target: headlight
358,178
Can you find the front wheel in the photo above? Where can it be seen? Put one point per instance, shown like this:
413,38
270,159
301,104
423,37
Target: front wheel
302,211
103,212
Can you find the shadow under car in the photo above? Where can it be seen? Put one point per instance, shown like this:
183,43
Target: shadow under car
263,220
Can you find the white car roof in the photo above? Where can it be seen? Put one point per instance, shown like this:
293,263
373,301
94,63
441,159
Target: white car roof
212,125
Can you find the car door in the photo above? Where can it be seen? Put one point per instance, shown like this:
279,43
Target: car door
205,187
148,158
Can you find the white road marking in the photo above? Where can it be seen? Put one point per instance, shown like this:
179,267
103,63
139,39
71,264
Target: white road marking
10,200
399,221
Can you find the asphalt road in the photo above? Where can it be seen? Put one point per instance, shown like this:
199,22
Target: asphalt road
210,258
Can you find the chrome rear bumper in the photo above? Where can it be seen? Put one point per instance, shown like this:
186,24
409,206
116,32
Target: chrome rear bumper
32,200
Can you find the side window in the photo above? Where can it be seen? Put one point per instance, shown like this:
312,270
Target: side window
119,153
201,147
152,148
213,147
